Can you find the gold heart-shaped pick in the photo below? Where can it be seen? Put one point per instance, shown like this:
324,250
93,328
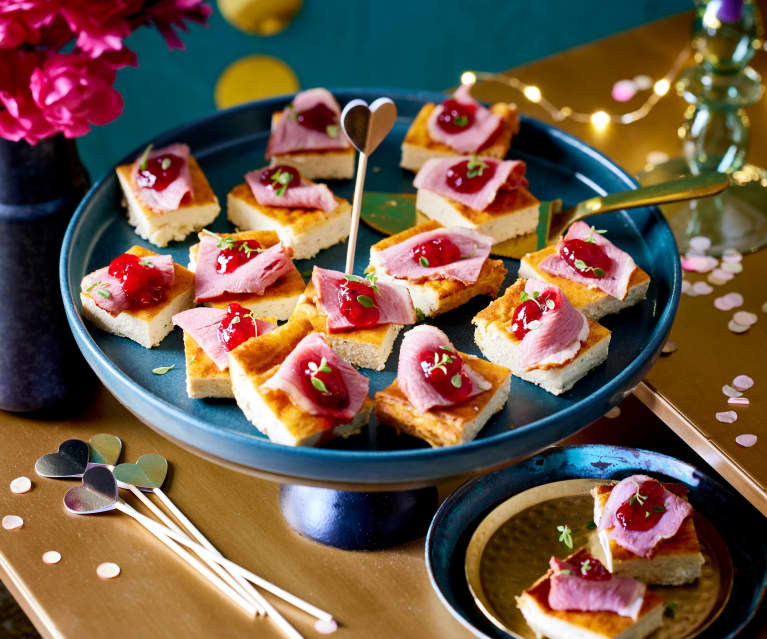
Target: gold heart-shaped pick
366,126
148,472
97,494
105,449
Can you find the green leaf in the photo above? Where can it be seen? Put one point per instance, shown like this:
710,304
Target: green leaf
456,380
599,272
447,348
646,514
590,525
566,537
476,167
92,286
332,130
536,294
146,264
161,370
659,509
104,293
419,315
670,611
566,571
226,242
372,278
319,385
580,265
165,164
144,157
461,120
524,296
632,499
306,273
365,301
324,367
585,566
423,261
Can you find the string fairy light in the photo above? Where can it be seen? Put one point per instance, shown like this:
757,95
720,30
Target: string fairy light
599,119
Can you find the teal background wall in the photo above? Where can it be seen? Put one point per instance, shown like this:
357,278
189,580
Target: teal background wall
397,43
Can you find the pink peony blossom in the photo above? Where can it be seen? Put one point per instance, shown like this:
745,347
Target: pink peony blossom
73,91
100,25
167,14
23,21
19,115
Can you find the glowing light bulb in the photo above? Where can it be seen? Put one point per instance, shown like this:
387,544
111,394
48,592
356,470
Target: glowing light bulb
532,93
468,77
600,119
661,87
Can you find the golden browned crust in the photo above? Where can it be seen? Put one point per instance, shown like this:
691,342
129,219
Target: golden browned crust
579,295
310,309
418,133
198,364
201,194
685,542
277,115
183,281
289,285
438,426
300,220
609,624
505,204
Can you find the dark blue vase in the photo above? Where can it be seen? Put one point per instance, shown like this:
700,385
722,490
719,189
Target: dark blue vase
40,187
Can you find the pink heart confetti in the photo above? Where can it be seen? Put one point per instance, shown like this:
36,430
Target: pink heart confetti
730,391
723,303
731,255
700,244
745,440
12,522
732,267
21,485
326,626
743,382
108,570
739,401
716,281
702,288
722,275
699,263
745,318
727,417
737,328
51,557
642,82
623,90
736,299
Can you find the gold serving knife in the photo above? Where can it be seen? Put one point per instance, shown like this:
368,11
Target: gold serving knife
391,213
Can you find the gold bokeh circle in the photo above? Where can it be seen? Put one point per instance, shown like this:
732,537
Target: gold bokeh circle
253,78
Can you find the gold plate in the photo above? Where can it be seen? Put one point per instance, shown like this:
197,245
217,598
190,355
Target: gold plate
511,548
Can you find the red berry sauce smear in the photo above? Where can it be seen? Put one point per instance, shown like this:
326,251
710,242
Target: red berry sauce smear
590,257
443,370
592,570
232,255
435,252
355,299
237,327
143,284
276,178
328,389
531,310
455,116
318,118
644,508
154,176
469,176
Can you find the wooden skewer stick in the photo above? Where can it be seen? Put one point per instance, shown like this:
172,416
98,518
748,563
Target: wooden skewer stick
359,186
236,582
316,612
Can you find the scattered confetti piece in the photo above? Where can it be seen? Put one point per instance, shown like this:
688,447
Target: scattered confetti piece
723,303
745,440
743,382
732,267
736,299
730,391
108,570
716,281
613,412
51,557
699,263
764,307
686,286
727,417
668,348
737,328
700,244
722,275
731,255
739,401
11,522
325,626
642,82
21,485
623,90
745,318
702,288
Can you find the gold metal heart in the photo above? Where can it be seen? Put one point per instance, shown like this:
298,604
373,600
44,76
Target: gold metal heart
149,471
97,494
366,126
105,449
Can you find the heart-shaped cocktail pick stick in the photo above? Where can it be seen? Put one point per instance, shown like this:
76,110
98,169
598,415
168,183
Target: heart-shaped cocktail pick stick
74,457
148,473
365,126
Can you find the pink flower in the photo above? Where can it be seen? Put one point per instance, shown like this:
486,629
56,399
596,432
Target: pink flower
19,115
167,14
23,21
73,91
100,25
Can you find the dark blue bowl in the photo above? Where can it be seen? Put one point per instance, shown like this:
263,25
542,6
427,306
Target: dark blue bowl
743,529
232,142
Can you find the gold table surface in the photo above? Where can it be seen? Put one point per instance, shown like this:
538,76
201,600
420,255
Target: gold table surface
386,593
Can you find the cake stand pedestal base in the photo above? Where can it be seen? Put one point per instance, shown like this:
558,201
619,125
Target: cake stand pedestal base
358,520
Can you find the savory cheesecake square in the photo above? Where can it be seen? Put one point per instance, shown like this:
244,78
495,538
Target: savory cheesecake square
306,231
271,411
147,326
501,346
197,209
203,377
278,300
676,561
434,297
449,425
418,146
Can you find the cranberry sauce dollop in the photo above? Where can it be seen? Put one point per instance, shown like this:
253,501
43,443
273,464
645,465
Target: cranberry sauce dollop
158,172
237,327
280,178
142,282
592,570
469,176
531,310
357,303
324,384
443,370
644,508
318,118
585,258
232,254
455,116
435,252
